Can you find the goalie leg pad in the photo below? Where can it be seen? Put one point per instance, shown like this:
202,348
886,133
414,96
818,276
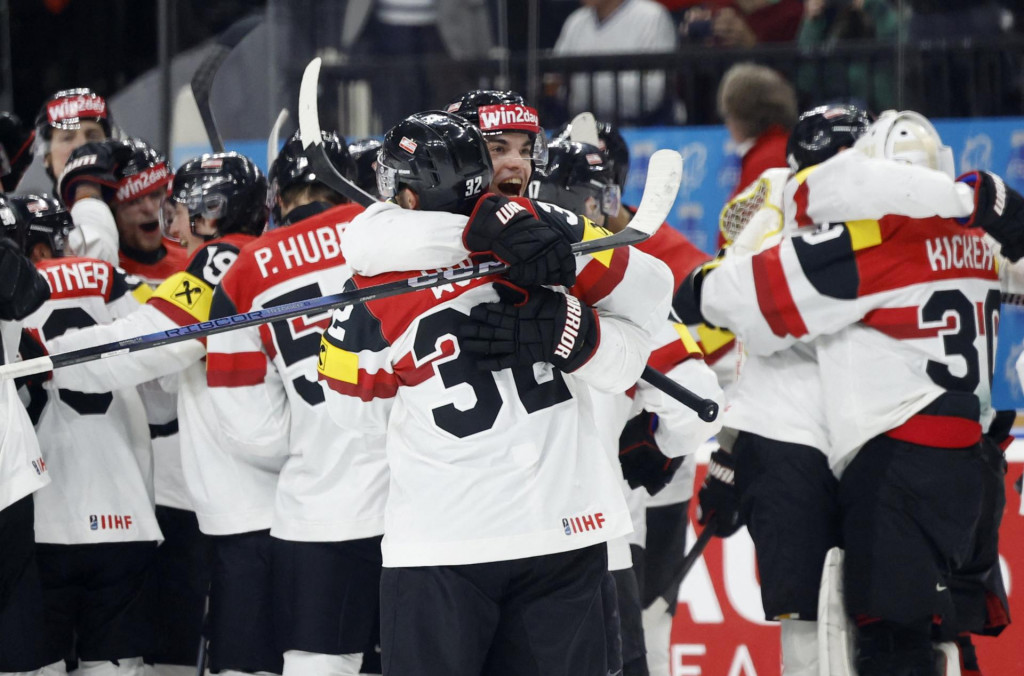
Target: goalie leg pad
835,633
799,648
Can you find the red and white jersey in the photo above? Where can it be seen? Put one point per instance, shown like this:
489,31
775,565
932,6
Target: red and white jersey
902,309
22,468
96,444
333,485
490,466
153,267
229,493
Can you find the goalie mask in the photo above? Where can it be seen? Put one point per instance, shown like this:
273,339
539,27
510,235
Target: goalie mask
575,173
822,132
907,137
226,189
439,156
33,219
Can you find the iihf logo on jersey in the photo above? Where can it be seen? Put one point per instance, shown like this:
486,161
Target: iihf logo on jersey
580,524
110,521
39,465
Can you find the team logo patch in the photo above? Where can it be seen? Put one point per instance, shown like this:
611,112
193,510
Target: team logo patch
408,145
187,293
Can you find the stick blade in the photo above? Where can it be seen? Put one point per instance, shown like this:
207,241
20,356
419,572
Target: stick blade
274,140
309,117
583,129
664,174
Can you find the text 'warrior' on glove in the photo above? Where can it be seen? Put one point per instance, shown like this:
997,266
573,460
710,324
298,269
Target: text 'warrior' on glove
537,252
531,325
94,163
643,463
718,496
999,210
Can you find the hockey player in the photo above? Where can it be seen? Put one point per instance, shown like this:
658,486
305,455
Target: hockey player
69,119
578,179
216,205
95,529
114,189
508,486
329,507
784,490
515,139
913,360
22,471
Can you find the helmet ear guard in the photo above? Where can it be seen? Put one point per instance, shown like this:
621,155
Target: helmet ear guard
907,137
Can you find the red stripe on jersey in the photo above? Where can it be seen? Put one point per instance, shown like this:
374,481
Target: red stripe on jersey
237,369
914,251
668,356
596,281
267,338
904,323
938,431
800,200
672,248
368,386
172,311
979,309
712,358
774,297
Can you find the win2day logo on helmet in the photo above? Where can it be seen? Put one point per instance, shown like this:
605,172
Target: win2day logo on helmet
142,182
76,107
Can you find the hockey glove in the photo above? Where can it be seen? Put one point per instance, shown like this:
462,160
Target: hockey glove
530,326
643,463
999,210
96,163
686,301
537,252
718,495
22,288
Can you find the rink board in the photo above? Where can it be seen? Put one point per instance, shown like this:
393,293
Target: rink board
719,627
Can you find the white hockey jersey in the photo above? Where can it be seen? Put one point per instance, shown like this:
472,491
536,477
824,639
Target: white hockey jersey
489,466
333,485
22,468
230,493
96,444
904,308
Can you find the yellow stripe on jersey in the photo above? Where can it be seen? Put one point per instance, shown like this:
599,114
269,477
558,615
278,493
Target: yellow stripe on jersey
142,293
864,234
593,231
802,175
712,339
188,293
337,364
688,342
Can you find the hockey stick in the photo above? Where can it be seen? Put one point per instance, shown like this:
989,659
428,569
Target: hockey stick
202,79
663,177
274,141
697,550
313,140
583,129
706,409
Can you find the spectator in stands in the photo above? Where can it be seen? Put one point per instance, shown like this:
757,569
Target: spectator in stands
827,22
742,23
759,108
618,27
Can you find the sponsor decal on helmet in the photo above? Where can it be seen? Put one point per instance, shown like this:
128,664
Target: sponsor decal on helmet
145,181
408,145
215,163
594,158
509,117
453,107
35,206
71,109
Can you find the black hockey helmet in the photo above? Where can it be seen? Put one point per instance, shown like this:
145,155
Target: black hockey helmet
67,109
291,167
820,132
364,155
15,149
29,219
497,112
227,188
143,172
612,144
576,171
439,156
